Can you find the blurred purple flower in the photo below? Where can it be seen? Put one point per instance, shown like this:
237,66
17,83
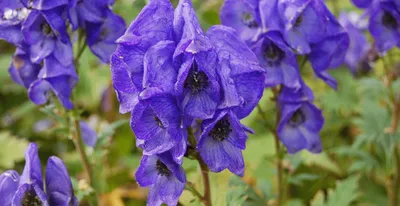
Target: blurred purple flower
22,70
166,179
88,134
28,188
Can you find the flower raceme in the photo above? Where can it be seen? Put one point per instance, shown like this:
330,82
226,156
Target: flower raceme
43,61
173,77
277,31
28,189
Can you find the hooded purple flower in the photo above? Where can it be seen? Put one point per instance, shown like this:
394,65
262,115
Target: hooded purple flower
45,32
56,78
299,127
357,54
304,23
244,17
197,78
22,70
300,121
241,77
330,51
221,143
278,60
28,188
152,25
156,120
12,14
384,25
45,4
101,37
166,179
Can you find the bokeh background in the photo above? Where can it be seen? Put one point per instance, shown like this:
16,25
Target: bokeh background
354,168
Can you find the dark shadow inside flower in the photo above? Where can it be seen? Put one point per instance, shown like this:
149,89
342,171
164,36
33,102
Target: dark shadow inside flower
389,21
249,21
31,199
297,118
162,169
197,80
221,130
272,53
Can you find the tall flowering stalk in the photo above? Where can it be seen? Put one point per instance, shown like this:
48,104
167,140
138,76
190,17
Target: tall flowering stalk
278,31
187,92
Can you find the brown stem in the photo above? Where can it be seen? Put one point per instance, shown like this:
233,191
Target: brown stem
206,182
396,180
78,141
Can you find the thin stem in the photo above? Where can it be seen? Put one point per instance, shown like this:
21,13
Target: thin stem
206,182
190,186
78,141
396,180
278,151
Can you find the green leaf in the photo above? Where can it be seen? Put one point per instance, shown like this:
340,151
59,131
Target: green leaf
344,194
241,193
12,150
299,179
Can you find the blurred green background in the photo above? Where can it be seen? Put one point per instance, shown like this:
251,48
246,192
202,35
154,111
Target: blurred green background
354,168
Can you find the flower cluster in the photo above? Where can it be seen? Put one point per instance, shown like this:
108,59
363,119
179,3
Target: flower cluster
28,189
278,31
174,78
384,22
43,61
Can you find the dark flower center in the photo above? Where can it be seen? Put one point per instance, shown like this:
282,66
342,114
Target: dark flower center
162,169
389,21
273,53
31,199
297,118
159,123
249,21
299,20
196,80
221,130
46,29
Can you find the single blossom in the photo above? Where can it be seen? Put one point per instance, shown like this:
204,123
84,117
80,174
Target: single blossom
357,54
244,17
384,25
156,121
89,135
28,188
152,25
101,36
221,143
241,77
278,60
165,178
197,80
53,78
22,70
299,126
45,32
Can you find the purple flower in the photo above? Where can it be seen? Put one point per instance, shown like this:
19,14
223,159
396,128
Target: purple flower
330,51
244,17
44,4
156,120
12,14
22,70
362,3
384,25
46,34
152,25
165,177
28,188
241,77
278,60
357,54
89,136
56,78
221,143
304,23
197,80
101,36
299,126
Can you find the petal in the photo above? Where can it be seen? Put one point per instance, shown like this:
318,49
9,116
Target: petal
236,162
292,138
8,186
213,154
32,173
58,184
22,70
88,134
146,174
170,189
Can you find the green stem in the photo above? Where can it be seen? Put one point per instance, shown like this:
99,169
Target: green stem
190,186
